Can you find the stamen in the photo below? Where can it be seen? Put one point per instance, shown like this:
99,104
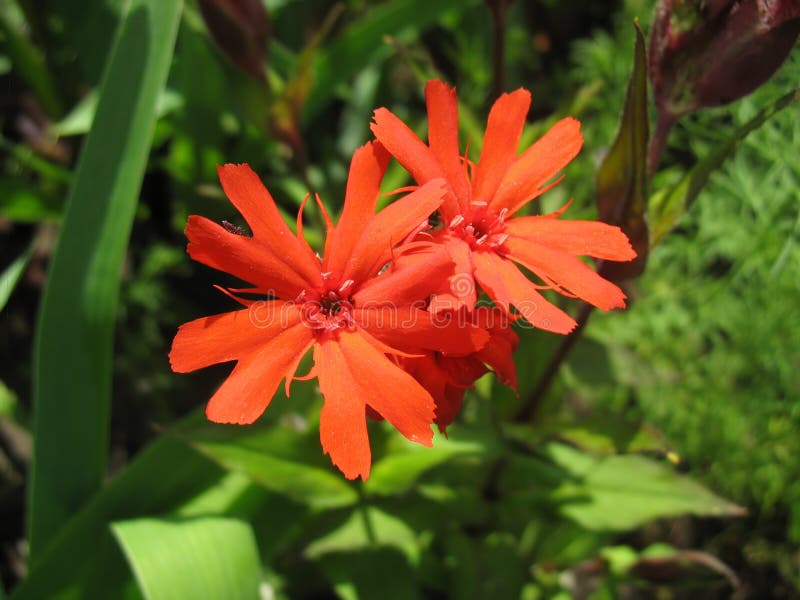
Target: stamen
503,214
326,274
482,239
346,286
457,220
501,239
480,203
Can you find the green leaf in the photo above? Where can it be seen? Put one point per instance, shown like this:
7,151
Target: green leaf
163,478
23,204
368,527
303,483
204,557
621,181
11,276
80,118
74,341
402,467
598,434
27,59
8,401
376,573
619,493
668,205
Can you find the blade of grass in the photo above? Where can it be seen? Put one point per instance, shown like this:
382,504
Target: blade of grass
204,557
73,350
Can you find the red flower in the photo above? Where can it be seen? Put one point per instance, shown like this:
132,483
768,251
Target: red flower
482,238
339,306
448,377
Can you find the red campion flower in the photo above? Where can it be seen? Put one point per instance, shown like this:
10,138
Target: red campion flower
339,306
483,239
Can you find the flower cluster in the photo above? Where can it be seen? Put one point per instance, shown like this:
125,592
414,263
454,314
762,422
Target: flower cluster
390,310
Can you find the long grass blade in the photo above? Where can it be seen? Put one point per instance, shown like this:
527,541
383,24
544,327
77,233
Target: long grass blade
73,350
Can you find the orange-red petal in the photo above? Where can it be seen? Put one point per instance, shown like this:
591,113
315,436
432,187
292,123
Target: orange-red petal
243,257
410,279
443,139
388,228
402,143
567,271
229,336
248,390
353,374
498,352
503,130
507,286
527,177
581,238
363,185
458,291
410,328
247,193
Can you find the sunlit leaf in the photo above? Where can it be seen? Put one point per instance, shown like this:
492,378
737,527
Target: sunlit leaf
668,205
368,527
204,557
161,479
11,276
304,483
79,120
621,181
623,492
73,349
400,469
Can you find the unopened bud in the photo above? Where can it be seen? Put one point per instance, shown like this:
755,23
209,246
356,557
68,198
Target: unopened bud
706,53
241,29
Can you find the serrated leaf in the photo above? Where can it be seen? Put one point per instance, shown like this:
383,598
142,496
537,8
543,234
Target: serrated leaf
204,557
621,181
668,205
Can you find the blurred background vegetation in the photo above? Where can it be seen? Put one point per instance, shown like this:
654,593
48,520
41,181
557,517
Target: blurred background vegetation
596,497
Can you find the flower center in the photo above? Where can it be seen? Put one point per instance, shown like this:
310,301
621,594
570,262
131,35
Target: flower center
480,227
327,310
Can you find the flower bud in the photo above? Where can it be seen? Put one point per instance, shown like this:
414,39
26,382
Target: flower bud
241,29
706,53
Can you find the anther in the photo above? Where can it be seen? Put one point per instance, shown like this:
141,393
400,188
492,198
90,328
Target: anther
457,220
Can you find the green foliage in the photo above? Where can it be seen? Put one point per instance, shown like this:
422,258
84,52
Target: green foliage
695,382
204,557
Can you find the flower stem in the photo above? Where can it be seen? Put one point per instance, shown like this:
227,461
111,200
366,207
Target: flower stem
534,401
499,9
